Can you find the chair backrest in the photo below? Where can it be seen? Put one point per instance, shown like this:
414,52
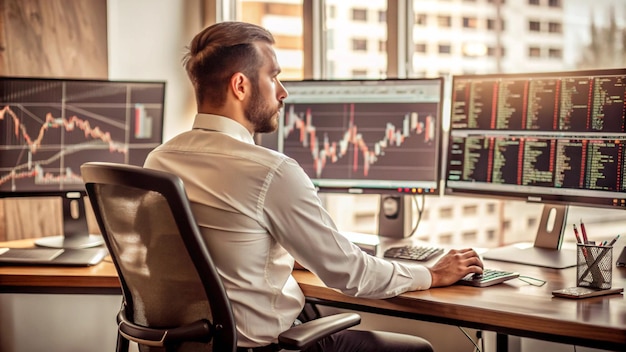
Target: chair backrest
167,276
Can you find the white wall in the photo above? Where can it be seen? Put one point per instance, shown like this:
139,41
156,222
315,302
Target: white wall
146,41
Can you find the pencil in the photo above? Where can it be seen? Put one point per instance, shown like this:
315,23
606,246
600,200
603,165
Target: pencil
584,231
576,234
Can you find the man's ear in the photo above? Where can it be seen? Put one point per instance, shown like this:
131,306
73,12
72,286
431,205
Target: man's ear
239,85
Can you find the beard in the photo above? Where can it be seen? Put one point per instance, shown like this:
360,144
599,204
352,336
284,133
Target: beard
264,116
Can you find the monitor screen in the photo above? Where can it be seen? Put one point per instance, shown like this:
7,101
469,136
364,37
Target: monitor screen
545,137
50,127
364,136
555,137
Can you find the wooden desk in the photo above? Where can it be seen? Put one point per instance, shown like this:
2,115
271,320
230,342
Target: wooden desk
97,279
513,308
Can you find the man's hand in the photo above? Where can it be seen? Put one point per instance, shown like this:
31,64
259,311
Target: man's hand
454,265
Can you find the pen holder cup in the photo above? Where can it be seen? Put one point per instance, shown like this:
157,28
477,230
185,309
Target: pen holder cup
594,266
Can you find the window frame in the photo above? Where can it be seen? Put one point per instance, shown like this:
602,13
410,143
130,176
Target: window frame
399,15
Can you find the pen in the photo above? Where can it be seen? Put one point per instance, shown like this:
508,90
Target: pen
579,241
613,241
584,231
576,234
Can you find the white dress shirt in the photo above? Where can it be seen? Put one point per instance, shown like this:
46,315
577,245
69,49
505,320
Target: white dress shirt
258,210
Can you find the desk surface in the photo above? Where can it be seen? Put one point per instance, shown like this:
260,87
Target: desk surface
514,307
101,278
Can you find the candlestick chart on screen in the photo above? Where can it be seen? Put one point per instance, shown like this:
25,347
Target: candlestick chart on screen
360,141
363,136
48,128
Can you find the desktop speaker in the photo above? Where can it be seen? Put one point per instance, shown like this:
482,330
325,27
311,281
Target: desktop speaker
394,216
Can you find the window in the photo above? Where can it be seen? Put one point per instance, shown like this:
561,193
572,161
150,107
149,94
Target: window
445,49
330,42
359,44
491,51
446,238
359,15
420,19
534,26
470,22
359,73
330,11
554,27
469,236
284,20
382,16
554,3
491,24
444,21
446,212
420,48
349,31
555,53
534,51
438,49
470,209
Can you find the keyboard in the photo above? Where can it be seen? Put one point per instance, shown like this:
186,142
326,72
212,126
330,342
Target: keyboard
412,252
488,278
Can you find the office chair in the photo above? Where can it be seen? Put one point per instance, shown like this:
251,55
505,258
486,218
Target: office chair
173,297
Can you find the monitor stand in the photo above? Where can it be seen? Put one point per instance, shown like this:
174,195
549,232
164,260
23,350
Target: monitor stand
546,251
75,230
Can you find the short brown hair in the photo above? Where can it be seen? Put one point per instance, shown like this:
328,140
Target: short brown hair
218,52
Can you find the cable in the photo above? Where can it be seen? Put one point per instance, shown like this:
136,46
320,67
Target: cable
420,211
470,338
532,281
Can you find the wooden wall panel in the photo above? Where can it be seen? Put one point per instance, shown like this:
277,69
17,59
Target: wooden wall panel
57,39
54,38
32,217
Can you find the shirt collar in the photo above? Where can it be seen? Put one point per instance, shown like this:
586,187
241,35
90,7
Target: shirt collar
224,125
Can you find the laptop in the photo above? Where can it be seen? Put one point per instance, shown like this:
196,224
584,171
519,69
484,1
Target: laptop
52,256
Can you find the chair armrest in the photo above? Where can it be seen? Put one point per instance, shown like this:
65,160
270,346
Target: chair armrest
199,330
306,333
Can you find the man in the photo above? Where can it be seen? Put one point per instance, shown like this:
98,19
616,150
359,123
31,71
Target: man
257,209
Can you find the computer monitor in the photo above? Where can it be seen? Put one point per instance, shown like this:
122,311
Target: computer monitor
366,136
49,127
556,138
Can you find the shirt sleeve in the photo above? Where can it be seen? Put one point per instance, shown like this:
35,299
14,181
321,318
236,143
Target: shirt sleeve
294,216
